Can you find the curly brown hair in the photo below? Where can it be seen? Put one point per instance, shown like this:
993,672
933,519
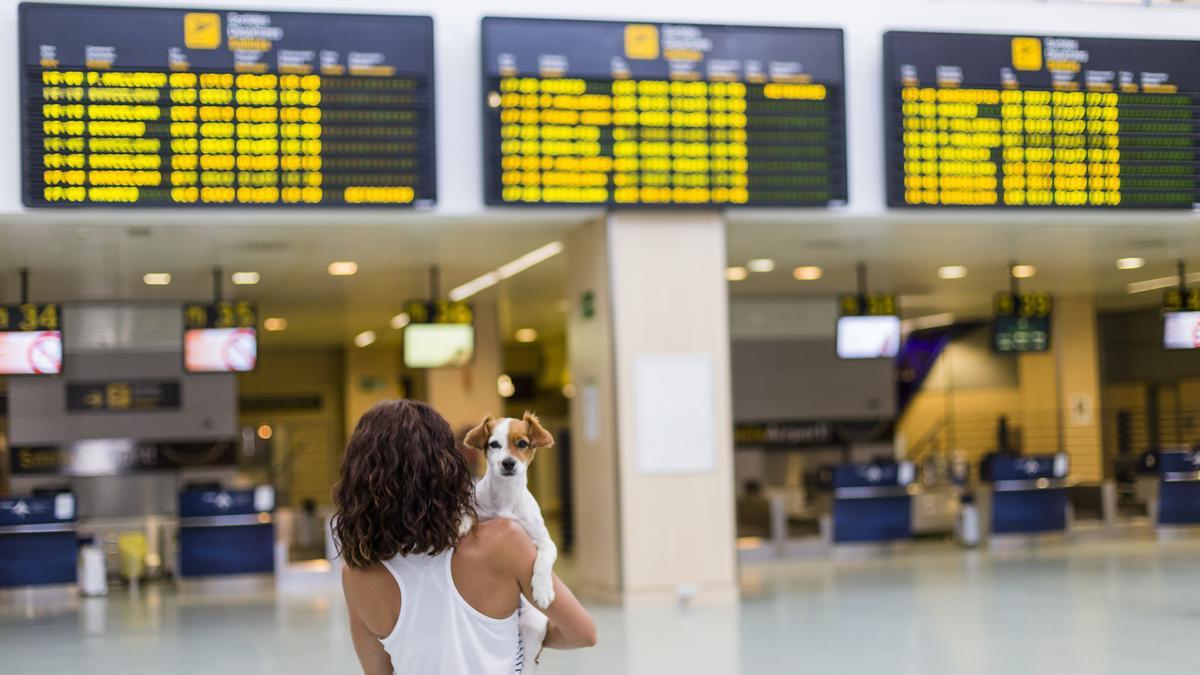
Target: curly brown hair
404,486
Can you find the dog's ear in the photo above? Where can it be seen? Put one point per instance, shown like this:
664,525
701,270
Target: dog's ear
478,437
538,436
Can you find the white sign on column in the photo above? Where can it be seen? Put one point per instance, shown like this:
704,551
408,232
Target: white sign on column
674,410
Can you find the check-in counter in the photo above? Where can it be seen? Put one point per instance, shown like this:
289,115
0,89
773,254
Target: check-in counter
1028,494
224,532
872,502
1179,489
37,540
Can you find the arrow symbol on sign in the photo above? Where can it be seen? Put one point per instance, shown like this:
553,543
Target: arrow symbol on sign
223,501
21,509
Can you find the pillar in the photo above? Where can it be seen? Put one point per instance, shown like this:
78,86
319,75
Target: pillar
648,343
1060,389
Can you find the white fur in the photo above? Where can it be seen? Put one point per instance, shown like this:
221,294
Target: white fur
500,496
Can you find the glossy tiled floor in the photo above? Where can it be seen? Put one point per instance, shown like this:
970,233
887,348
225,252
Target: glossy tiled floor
1091,607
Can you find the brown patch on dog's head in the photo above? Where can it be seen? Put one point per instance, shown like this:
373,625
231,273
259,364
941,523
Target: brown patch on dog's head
526,435
478,437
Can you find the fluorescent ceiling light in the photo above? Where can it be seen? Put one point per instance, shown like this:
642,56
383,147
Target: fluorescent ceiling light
473,286
1160,282
343,268
735,273
529,260
952,272
505,271
807,273
761,265
364,339
1130,263
275,324
1023,271
245,278
401,320
157,279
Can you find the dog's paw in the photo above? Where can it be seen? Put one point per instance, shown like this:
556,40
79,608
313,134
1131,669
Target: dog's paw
542,590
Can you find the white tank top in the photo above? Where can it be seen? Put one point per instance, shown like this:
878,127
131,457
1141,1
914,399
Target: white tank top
438,633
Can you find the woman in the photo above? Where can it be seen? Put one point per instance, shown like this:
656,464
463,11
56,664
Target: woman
421,598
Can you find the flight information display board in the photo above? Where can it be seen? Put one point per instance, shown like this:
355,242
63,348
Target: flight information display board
1038,121
180,107
650,114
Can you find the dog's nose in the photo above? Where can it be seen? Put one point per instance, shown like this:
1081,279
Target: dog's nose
509,464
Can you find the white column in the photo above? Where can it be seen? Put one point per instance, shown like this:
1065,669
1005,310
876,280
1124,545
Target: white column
652,423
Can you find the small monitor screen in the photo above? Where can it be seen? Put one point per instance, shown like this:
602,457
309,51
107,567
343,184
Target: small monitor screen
438,345
1181,330
31,352
868,337
220,350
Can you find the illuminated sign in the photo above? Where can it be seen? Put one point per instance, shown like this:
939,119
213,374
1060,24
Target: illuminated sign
649,114
220,338
127,106
871,304
1176,300
124,396
1022,322
440,311
1039,121
31,339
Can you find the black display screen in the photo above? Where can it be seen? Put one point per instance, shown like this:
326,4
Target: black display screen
652,114
1041,121
125,106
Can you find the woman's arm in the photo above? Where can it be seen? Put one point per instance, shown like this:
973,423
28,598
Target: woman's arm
571,627
356,587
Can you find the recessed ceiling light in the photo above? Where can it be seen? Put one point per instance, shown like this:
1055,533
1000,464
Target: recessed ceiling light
1023,271
401,320
526,335
807,273
568,391
735,273
761,265
1130,263
364,339
952,272
157,279
343,268
245,278
275,324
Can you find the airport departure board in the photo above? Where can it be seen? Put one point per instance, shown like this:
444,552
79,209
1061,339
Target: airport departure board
650,114
159,107
1041,121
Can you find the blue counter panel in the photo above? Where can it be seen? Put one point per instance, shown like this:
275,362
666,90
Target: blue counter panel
1179,503
1029,511
31,559
872,519
218,550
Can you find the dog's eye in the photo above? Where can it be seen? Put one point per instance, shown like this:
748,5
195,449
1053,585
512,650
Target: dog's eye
495,445
522,444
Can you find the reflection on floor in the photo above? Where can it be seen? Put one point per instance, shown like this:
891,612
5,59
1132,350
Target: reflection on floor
1098,607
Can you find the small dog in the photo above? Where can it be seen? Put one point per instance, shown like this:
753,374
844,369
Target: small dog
509,445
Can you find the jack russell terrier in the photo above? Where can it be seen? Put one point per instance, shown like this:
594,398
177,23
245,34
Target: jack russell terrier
509,445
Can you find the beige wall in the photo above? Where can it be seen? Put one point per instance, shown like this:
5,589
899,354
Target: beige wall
1038,402
372,375
464,395
308,443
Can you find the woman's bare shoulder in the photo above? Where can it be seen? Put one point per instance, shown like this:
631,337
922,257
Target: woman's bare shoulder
499,540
